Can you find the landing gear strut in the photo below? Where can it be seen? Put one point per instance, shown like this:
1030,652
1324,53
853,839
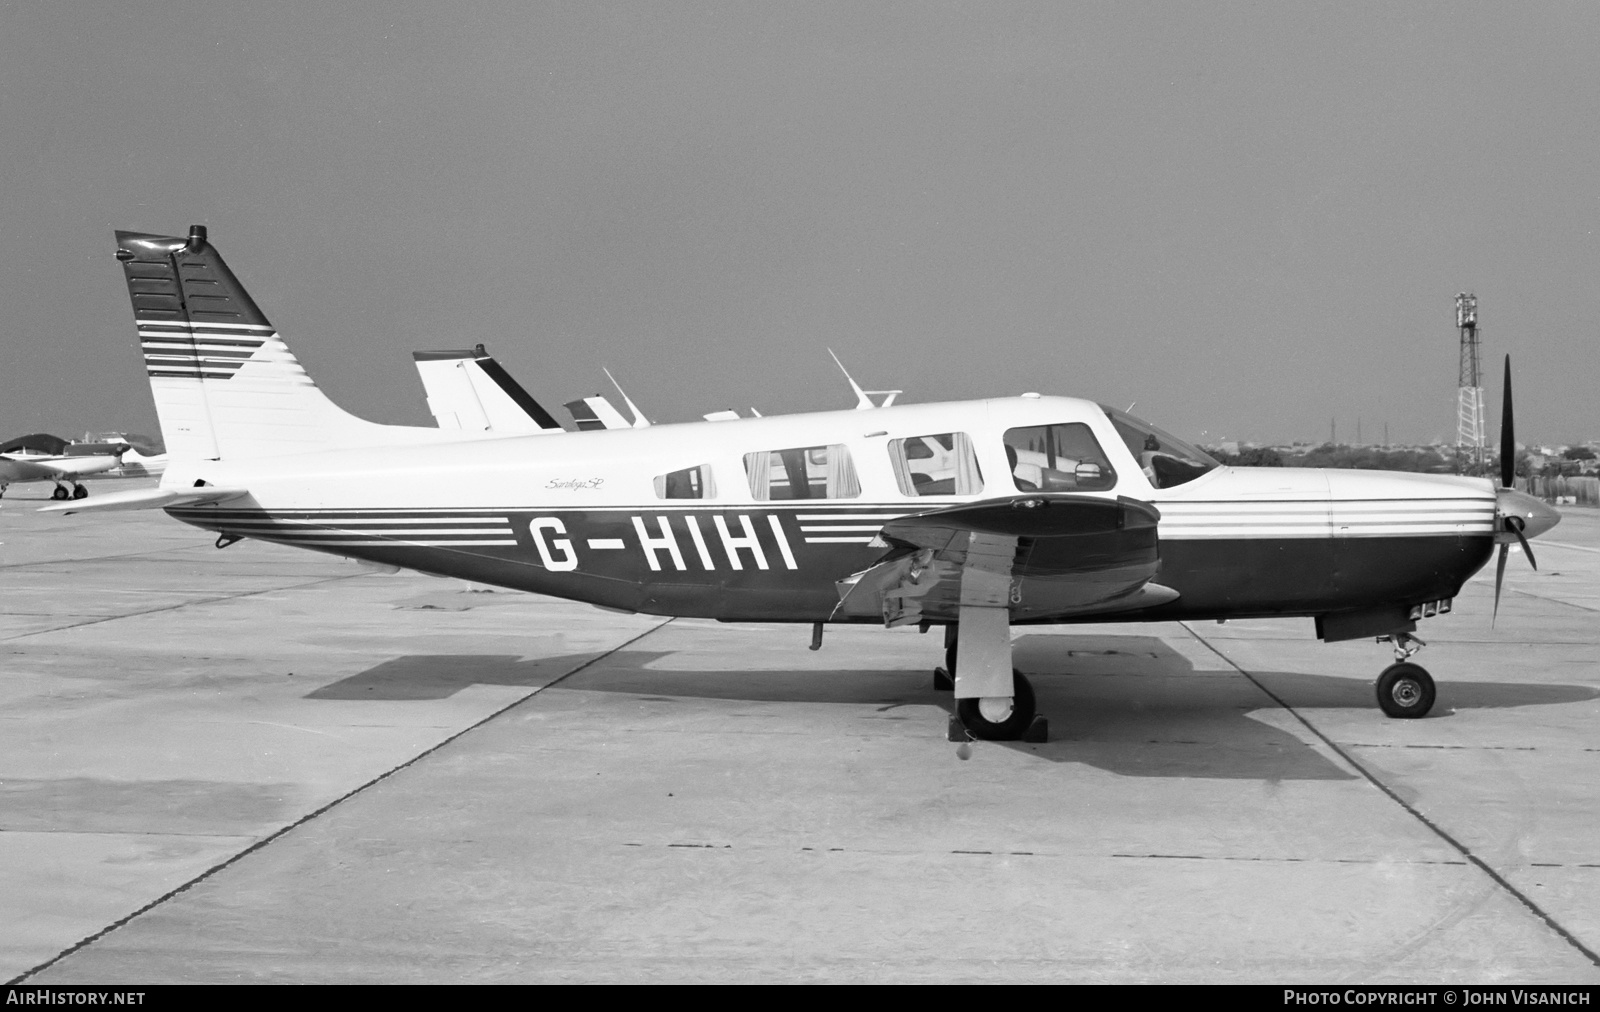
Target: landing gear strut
990,706
1405,690
944,679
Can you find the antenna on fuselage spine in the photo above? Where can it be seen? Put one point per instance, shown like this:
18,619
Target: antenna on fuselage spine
639,420
863,401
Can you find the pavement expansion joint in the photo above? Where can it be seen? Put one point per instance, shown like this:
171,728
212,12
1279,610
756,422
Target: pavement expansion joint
1115,855
57,563
176,607
1465,748
285,830
1551,600
1266,859
1438,830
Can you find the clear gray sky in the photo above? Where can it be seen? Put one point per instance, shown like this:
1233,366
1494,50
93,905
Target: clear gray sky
1248,218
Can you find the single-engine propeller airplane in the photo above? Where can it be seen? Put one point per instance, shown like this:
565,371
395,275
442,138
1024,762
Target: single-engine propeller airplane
973,516
43,457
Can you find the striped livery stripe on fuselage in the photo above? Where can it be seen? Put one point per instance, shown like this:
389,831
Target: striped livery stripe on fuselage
1339,518
780,561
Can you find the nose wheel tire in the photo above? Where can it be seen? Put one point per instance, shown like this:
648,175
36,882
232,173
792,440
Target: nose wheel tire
1405,690
984,723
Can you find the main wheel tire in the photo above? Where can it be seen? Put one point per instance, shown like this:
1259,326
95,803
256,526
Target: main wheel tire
58,493
1008,729
1405,690
79,492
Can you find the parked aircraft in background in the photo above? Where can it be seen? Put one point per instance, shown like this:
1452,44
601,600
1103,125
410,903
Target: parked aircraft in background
40,456
140,457
470,391
974,516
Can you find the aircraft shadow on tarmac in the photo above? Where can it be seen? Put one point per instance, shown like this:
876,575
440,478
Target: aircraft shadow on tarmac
1130,705
439,676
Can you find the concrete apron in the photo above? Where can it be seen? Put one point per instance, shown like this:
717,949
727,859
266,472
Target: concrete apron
712,802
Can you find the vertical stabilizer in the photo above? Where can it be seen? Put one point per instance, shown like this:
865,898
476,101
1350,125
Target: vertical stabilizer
470,391
225,384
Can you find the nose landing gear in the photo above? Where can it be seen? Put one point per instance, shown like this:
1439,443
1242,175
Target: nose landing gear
1405,690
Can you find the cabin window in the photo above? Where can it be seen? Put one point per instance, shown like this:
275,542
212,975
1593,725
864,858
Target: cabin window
1165,459
942,464
804,472
689,483
1058,458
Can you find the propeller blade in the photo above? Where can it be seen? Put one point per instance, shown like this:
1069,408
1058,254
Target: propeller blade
1508,437
1515,526
1499,577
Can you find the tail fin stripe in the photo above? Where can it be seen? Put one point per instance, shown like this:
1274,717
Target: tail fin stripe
220,359
173,338
200,328
212,348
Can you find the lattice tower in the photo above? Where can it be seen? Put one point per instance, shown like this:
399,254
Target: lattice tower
1470,413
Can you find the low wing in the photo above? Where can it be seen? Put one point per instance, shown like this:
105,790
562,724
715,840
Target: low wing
74,467
32,468
148,498
1040,556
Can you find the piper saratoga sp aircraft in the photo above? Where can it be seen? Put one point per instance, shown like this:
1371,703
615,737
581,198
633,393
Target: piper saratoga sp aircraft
973,516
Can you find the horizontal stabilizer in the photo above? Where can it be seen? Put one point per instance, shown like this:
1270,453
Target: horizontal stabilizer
148,498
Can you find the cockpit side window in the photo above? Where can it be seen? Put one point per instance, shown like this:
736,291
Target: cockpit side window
942,464
1167,460
689,483
1058,458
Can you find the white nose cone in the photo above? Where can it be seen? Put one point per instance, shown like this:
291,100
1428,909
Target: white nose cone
1537,516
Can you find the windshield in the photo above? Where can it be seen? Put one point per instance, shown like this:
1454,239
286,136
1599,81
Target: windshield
1166,459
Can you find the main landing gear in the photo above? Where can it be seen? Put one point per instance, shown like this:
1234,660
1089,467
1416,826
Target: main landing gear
1013,717
78,492
1405,690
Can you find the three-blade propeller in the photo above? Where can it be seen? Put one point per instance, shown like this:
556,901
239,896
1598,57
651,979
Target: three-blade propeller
1505,521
